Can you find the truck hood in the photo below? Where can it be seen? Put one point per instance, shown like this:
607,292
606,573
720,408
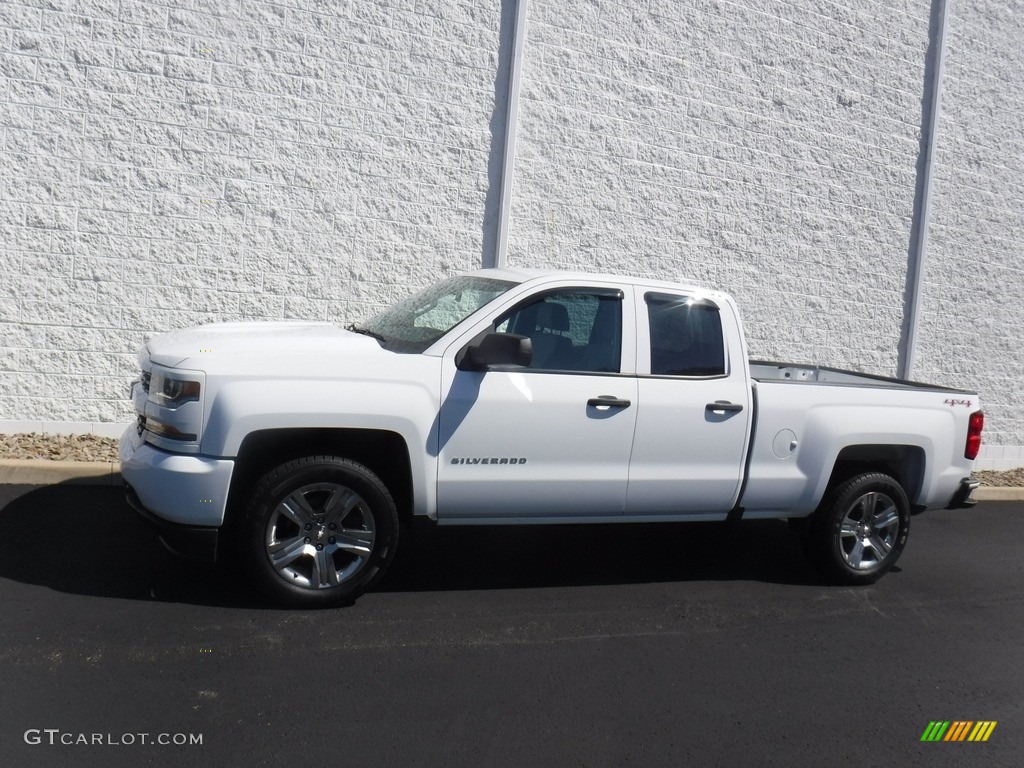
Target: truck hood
267,339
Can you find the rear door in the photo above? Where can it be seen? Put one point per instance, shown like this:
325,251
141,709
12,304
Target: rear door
553,439
694,406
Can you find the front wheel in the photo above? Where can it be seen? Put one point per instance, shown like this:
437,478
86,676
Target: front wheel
318,531
859,531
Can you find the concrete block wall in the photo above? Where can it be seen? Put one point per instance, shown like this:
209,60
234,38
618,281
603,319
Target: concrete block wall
767,149
773,150
165,164
972,329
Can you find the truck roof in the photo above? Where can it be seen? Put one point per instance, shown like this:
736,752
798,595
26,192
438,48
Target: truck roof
523,275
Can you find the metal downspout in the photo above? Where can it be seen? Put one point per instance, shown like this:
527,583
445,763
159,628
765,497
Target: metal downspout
915,278
511,124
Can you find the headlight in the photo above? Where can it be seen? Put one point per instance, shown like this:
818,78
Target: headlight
170,392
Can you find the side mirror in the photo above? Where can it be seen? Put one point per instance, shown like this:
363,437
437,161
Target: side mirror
495,350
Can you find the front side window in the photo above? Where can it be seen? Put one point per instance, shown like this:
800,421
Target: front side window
416,322
686,336
575,330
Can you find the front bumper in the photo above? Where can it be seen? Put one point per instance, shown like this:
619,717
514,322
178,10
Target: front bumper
962,497
190,541
181,494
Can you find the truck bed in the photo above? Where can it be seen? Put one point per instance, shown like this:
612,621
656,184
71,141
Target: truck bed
799,435
798,373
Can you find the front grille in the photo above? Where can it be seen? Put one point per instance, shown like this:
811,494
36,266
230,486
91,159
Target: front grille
146,375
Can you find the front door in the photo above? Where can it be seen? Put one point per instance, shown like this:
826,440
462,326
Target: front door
553,439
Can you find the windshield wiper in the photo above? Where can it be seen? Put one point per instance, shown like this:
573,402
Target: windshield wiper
365,331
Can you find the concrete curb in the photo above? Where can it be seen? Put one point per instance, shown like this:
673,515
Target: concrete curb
998,494
47,472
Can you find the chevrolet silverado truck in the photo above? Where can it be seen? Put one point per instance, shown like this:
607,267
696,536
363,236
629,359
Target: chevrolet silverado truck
504,397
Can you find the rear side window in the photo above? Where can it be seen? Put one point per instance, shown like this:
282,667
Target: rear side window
686,336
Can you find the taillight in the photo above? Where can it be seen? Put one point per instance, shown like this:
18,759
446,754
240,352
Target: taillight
974,427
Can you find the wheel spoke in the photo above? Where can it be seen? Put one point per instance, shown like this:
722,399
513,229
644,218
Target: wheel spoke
848,528
881,547
358,543
856,554
297,509
867,504
284,553
340,504
887,517
324,572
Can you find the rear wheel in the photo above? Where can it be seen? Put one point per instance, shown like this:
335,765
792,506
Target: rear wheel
318,531
860,530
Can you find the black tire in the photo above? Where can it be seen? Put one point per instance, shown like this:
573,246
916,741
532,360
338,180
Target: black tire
860,529
318,531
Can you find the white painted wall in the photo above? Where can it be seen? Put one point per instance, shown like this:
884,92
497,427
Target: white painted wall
162,167
973,298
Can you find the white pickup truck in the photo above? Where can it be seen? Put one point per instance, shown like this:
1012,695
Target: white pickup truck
505,397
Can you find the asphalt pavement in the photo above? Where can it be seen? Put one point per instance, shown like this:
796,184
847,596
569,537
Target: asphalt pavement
649,645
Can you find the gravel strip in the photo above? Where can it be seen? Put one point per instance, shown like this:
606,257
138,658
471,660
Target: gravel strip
93,448
1011,478
58,447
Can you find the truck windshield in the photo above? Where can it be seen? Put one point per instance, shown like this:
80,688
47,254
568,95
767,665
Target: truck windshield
416,322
